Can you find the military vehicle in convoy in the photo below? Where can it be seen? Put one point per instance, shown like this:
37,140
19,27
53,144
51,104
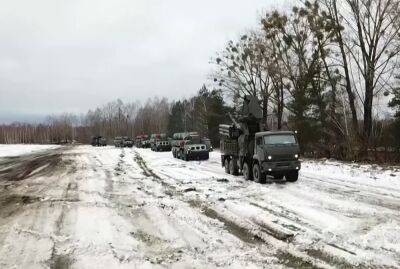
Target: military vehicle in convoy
160,142
123,142
119,142
128,142
142,141
246,148
189,146
99,141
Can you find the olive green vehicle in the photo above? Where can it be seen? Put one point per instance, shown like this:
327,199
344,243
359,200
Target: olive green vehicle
188,146
255,153
160,142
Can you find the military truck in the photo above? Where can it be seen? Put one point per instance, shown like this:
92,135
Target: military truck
255,153
98,141
160,142
127,142
118,142
188,146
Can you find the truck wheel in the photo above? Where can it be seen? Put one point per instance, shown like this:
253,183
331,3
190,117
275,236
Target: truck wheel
258,176
247,173
233,167
292,176
227,170
185,157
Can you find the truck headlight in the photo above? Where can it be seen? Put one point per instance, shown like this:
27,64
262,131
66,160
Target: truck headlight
269,157
296,156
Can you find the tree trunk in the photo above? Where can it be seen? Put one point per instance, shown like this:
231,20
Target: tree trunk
265,111
368,110
349,91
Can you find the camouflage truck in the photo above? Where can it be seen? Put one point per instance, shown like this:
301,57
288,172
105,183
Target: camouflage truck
160,142
255,153
98,141
141,141
118,142
127,142
188,146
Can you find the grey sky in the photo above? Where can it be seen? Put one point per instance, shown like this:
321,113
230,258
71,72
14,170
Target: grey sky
68,56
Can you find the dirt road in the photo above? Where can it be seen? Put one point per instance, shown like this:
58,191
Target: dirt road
85,207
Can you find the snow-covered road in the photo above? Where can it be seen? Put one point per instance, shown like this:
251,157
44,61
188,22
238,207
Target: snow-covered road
86,207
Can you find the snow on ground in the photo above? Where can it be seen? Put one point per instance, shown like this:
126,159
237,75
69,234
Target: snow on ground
134,208
20,149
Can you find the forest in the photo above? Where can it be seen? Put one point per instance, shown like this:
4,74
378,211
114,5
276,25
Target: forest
328,69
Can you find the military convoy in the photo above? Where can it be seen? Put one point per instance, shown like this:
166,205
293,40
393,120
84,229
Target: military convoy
160,142
246,148
188,146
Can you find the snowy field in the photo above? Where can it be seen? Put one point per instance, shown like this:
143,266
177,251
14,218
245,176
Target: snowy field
20,149
86,207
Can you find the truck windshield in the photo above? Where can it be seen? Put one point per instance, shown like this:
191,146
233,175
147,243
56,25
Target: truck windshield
279,139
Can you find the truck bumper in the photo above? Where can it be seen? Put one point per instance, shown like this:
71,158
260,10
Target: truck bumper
201,155
282,166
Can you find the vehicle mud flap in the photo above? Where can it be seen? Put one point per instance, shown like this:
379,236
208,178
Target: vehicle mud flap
233,167
292,176
227,170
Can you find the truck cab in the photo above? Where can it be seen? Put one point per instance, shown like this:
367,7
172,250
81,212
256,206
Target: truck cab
276,153
189,146
127,142
160,142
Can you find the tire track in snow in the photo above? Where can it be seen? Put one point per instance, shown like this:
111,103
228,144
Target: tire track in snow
248,231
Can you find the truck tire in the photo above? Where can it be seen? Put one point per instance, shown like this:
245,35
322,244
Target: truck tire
227,170
233,167
258,176
292,176
185,157
247,172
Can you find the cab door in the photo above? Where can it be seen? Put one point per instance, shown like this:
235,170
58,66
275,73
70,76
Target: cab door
259,149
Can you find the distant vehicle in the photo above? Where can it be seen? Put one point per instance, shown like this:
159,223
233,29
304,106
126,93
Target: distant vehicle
244,148
127,142
118,142
99,141
103,142
142,141
159,142
188,146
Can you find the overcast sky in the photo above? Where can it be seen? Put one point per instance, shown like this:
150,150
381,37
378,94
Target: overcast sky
69,56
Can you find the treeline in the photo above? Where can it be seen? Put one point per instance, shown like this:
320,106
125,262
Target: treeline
202,113
327,69
57,129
